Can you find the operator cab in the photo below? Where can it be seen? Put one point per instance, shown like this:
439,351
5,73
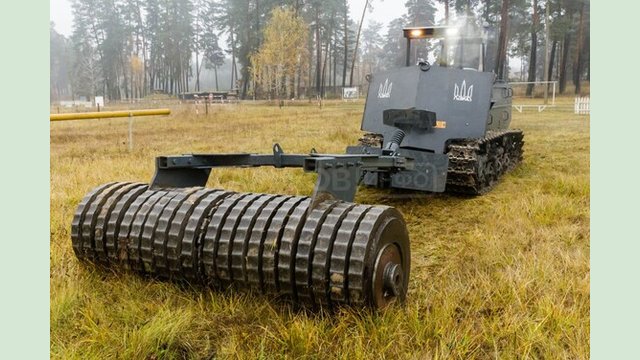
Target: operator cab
462,47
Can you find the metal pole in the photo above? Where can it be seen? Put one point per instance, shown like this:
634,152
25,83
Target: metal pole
546,54
108,114
130,132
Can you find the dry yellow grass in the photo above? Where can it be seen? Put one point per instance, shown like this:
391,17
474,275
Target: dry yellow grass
504,275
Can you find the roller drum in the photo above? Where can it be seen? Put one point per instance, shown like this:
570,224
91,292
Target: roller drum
334,254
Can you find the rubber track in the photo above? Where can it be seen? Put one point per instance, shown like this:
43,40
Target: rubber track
306,244
321,261
475,165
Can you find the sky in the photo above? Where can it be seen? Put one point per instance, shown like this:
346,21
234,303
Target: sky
383,11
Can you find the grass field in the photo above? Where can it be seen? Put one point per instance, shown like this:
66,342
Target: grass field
505,275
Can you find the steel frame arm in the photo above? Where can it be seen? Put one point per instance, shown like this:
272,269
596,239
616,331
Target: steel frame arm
338,174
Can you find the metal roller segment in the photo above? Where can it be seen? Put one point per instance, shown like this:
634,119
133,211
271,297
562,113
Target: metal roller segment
288,246
271,245
227,234
252,254
91,216
158,238
379,259
78,218
191,247
212,235
149,228
340,253
321,261
239,243
126,225
116,218
137,226
306,244
101,227
168,260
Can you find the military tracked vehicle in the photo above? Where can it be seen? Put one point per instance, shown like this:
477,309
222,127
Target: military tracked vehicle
431,128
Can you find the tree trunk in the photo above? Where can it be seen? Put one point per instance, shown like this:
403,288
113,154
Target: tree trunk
552,59
355,50
318,51
562,71
197,72
324,69
534,48
335,65
502,40
309,74
215,73
346,43
578,59
233,59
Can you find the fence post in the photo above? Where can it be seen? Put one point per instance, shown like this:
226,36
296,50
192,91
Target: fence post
130,131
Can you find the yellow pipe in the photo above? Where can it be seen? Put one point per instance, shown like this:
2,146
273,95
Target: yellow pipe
108,114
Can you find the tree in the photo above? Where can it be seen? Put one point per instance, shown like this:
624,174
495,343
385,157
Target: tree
207,39
59,62
502,40
283,51
535,22
394,47
355,50
579,58
87,74
372,43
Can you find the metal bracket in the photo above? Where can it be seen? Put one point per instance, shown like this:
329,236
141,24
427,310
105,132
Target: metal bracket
277,155
337,177
338,174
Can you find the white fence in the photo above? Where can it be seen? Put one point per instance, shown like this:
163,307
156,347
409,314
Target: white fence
74,103
582,106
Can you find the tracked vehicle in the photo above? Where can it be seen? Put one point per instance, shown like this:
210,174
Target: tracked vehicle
431,128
